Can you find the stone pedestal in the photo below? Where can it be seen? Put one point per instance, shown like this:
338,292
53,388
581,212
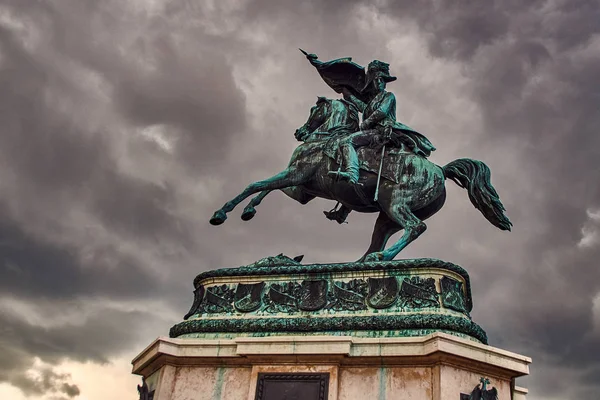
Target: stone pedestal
435,367
281,330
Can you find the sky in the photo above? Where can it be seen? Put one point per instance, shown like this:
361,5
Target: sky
125,125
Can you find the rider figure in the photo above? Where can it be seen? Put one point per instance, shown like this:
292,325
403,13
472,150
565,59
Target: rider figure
379,117
379,114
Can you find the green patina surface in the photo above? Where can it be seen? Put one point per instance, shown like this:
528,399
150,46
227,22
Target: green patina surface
218,388
373,164
377,165
382,383
279,296
359,334
409,325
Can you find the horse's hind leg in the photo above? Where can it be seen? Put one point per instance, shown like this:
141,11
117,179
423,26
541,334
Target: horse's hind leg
286,178
383,230
413,228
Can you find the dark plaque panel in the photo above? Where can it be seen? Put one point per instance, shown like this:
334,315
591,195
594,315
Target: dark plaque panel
283,386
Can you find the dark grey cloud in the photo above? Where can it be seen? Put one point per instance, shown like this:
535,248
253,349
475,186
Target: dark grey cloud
52,272
532,69
72,108
125,125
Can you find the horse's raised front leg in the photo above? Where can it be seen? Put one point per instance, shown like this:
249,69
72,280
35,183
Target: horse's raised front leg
413,228
249,211
289,177
294,192
383,230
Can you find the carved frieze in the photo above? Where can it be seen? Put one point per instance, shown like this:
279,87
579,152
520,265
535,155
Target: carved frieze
408,292
282,297
404,298
418,292
217,299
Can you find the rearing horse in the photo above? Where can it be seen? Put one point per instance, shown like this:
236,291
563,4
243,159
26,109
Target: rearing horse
419,193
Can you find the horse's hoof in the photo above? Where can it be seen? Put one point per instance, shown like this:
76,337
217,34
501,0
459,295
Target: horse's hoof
218,217
377,256
249,213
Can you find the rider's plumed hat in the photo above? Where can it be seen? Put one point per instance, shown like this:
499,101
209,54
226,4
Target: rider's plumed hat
378,69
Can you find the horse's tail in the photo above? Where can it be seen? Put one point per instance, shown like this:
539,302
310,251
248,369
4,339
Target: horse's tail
474,176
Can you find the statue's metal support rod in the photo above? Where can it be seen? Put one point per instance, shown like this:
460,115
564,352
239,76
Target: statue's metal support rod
379,174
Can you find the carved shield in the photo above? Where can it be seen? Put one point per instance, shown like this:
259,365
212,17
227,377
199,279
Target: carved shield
248,296
313,295
383,292
452,294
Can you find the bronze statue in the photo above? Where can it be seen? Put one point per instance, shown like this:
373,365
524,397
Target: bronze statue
379,119
143,391
394,178
481,392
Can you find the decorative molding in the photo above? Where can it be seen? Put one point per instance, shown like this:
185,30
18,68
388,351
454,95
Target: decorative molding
331,324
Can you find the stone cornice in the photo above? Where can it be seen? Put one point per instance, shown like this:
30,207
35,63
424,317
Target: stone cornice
436,348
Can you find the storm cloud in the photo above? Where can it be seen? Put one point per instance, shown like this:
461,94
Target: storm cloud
124,125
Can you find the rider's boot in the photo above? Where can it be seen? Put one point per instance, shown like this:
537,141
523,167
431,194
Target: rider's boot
350,160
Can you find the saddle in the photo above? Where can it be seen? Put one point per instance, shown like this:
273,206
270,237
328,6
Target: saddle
370,157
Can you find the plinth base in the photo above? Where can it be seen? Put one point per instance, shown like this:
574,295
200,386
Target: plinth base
434,367
278,296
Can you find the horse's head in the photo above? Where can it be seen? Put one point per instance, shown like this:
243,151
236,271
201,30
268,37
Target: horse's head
317,117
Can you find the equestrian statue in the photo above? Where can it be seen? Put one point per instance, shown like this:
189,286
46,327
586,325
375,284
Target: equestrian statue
377,165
